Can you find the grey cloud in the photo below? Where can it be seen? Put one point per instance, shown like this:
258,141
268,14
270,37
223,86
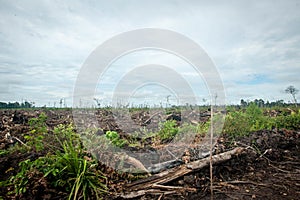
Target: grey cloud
43,44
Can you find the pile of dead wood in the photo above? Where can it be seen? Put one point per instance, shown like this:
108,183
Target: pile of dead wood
157,184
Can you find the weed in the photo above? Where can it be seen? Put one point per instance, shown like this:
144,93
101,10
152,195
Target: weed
4,152
291,121
236,124
239,123
67,168
201,129
20,180
134,140
37,133
94,141
167,130
115,139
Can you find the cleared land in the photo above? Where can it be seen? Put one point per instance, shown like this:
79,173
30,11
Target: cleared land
267,166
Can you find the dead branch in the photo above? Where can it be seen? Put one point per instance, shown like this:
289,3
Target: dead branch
139,193
10,138
19,141
143,186
243,182
215,159
145,122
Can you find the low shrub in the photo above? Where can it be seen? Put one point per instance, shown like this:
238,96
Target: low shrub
167,130
115,139
67,169
38,130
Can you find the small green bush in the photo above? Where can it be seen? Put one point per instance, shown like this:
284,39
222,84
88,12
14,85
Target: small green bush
168,130
239,123
38,130
66,169
291,121
115,139
202,128
236,124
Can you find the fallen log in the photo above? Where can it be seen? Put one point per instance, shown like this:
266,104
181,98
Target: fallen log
147,185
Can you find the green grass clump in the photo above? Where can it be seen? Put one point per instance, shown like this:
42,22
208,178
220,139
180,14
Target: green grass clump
67,169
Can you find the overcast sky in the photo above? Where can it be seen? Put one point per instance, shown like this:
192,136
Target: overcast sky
255,45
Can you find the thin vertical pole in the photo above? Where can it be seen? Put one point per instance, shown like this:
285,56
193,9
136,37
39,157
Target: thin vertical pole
211,152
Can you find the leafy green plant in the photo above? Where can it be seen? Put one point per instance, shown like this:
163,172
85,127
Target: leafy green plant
239,123
201,128
291,121
134,140
236,124
82,176
93,140
255,117
115,139
67,168
37,133
20,180
167,130
4,152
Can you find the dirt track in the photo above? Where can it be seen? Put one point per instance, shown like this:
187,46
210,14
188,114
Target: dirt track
268,169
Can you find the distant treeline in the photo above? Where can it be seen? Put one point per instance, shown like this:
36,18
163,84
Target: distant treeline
16,105
261,103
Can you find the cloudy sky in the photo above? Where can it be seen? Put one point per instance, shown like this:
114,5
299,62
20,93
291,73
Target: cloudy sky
255,46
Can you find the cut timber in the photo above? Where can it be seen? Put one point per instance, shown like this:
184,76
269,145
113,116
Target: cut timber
148,184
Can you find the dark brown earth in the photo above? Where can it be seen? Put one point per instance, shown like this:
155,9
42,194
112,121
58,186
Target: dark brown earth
268,169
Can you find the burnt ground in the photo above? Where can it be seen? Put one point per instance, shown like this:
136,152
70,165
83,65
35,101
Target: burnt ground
269,168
